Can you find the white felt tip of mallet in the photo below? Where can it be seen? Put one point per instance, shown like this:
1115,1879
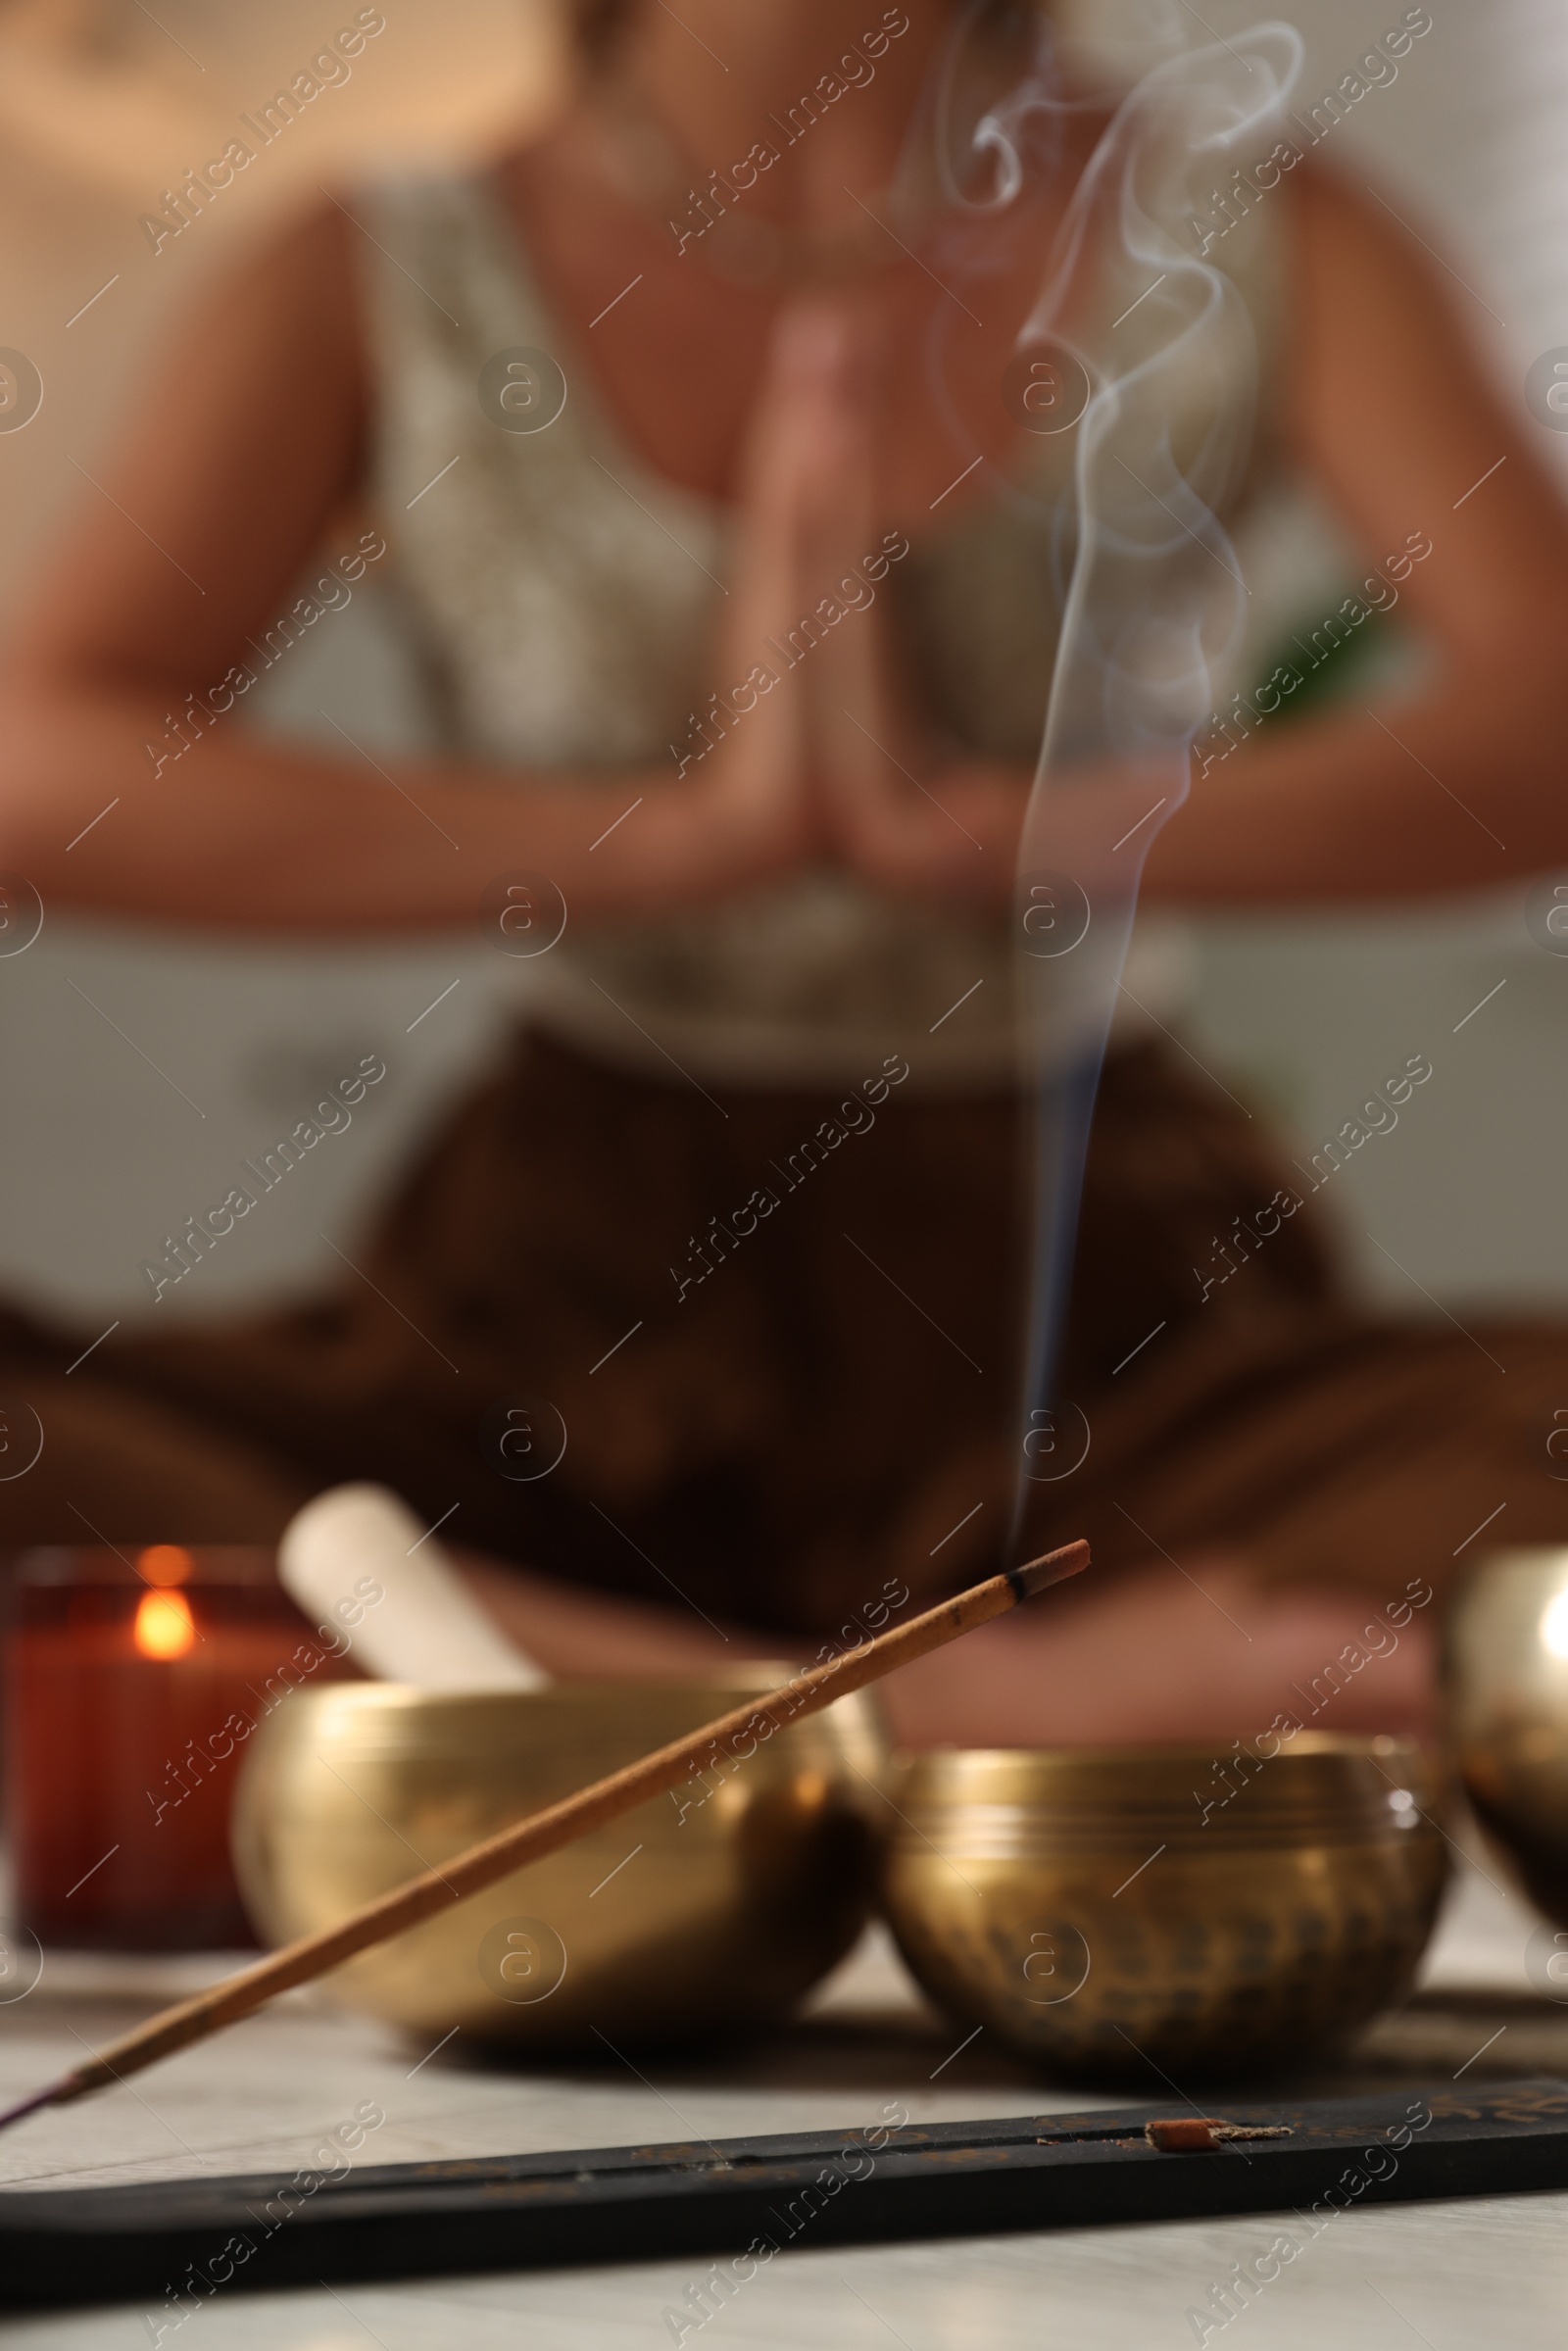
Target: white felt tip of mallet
357,1540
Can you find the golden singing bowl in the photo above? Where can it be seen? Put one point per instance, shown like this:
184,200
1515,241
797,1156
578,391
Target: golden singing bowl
1506,1667
712,1907
1086,1909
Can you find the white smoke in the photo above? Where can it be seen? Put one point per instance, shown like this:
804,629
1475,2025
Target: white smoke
1156,606
1154,598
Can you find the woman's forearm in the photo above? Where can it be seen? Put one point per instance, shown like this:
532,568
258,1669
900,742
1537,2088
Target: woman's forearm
1460,790
247,832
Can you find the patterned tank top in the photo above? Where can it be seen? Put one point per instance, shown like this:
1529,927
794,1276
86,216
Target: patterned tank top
564,599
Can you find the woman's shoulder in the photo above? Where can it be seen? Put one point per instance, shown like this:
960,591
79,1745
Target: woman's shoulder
266,366
290,304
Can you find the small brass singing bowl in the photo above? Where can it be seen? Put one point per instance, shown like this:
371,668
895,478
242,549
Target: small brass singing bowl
1507,1669
707,1909
1088,1909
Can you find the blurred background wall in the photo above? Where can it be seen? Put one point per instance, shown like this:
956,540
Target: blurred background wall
137,1068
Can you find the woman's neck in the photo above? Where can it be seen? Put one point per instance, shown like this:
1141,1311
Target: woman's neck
829,88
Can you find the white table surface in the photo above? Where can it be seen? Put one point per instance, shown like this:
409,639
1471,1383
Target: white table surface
1478,2271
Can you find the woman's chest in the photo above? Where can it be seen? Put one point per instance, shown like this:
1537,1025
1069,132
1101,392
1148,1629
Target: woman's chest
680,354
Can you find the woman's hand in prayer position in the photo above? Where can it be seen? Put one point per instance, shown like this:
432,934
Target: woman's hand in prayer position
821,751
900,813
749,796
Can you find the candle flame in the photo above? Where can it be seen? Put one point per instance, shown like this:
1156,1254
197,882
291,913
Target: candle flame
165,1564
164,1627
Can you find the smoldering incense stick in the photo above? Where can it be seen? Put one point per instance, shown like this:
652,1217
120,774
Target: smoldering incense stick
546,1832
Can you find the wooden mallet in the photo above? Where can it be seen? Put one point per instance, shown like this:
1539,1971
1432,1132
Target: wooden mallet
546,1832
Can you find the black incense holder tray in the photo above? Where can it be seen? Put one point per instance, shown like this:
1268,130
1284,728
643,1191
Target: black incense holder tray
177,2244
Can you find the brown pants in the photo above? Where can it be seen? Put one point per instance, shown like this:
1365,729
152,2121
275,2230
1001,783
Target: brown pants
836,1399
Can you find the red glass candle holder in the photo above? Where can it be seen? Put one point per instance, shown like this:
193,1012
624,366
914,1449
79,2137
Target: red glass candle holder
132,1682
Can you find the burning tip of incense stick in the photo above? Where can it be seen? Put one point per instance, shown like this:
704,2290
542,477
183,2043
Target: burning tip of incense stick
1036,1575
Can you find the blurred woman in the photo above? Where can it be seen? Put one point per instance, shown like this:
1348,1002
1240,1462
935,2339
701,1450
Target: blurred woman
742,1204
